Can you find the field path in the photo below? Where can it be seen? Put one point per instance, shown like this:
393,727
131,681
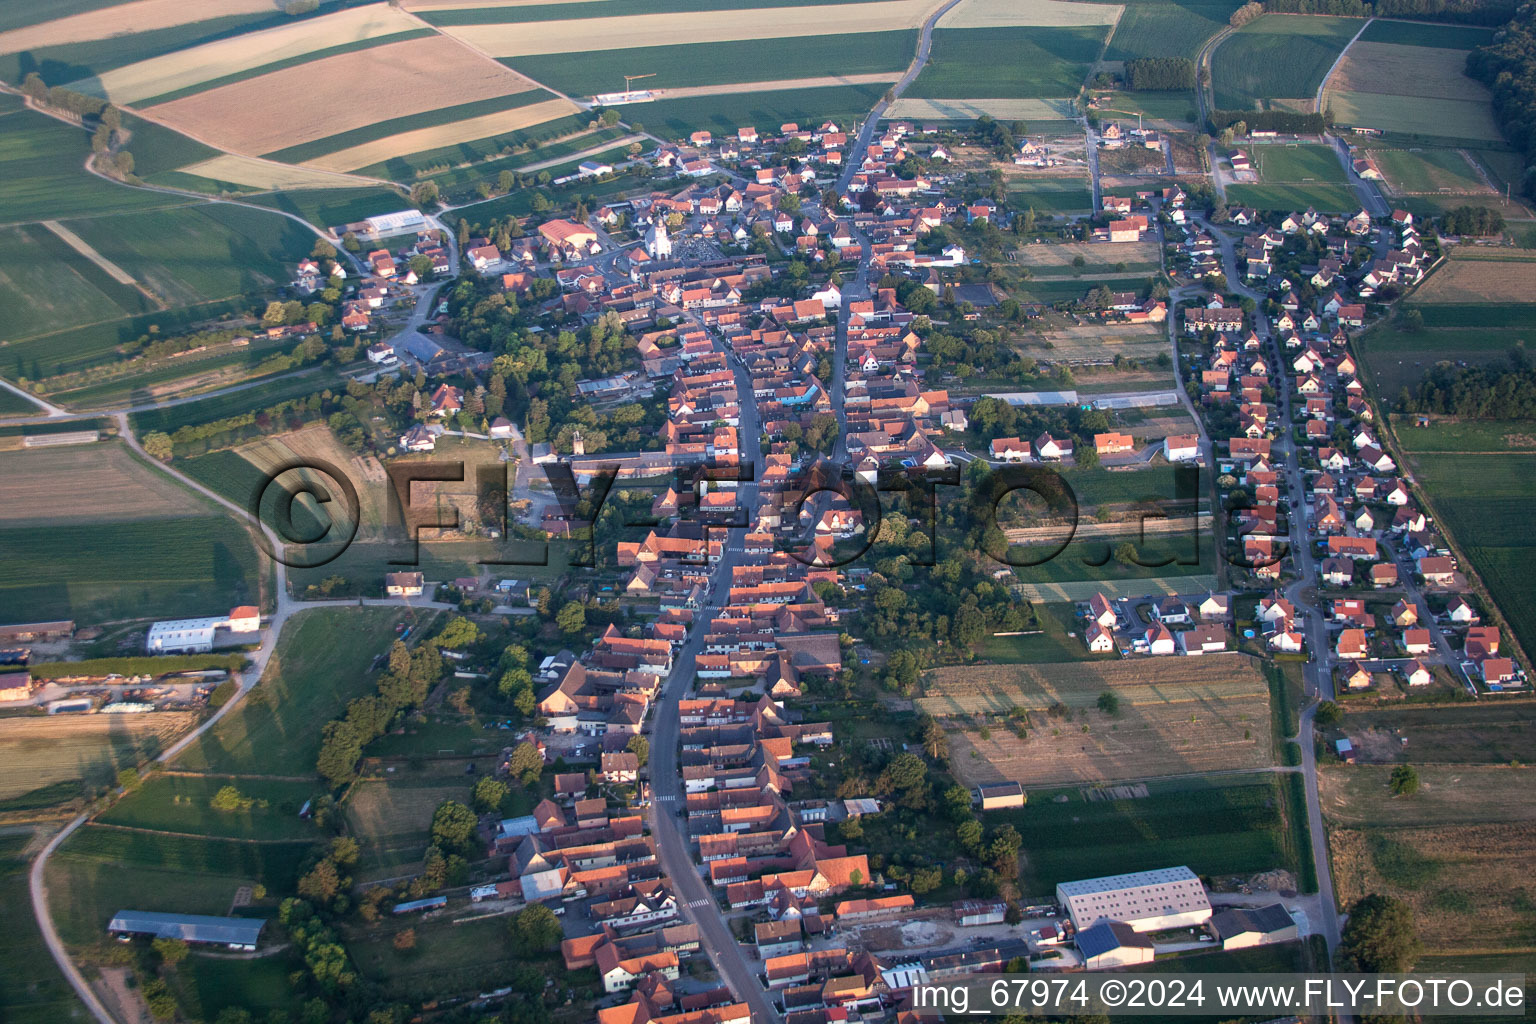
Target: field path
874,78
83,247
1317,103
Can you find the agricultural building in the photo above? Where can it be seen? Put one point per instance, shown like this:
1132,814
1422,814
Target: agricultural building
234,932
1113,944
1001,795
1148,901
1240,927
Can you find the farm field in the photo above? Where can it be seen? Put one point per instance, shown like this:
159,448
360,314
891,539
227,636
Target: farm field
1433,36
219,406
32,991
1457,878
1398,358
91,873
44,286
1051,643
515,123
1359,796
297,105
332,207
466,954
1031,110
1491,734
458,152
363,43
228,172
88,345
41,163
83,749
309,680
843,105
1277,56
1410,90
506,32
1466,436
1154,28
195,255
1165,106
106,570
1008,62
1090,343
75,21
206,985
1098,257
204,56
87,484
1041,13
1235,827
1484,501
79,65
695,64
1325,198
1092,558
1494,281
180,803
458,182
1174,722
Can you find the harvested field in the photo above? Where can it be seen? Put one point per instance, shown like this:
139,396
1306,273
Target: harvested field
994,689
265,174
161,75
317,442
1082,590
424,139
1212,718
1480,734
86,484
1098,255
1412,70
969,110
427,5
298,104
518,39
1467,883
1480,281
1358,796
1047,13
1411,90
125,19
38,752
789,83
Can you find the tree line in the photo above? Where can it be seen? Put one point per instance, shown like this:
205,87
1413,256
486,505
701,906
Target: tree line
1289,121
1160,74
1503,390
1508,69
1472,220
1466,12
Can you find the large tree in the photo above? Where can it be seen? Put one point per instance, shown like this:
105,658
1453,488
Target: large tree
1380,937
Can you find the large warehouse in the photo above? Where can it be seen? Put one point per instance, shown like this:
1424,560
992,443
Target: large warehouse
1148,901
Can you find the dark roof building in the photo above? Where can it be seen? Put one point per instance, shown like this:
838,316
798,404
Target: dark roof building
1252,926
1112,944
221,931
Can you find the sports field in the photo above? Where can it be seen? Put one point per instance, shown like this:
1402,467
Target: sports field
1410,90
1278,56
1411,171
1296,176
88,749
1008,62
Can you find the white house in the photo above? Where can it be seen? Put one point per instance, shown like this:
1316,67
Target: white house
1181,447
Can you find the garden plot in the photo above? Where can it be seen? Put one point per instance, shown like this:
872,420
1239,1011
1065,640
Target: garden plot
299,104
160,75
